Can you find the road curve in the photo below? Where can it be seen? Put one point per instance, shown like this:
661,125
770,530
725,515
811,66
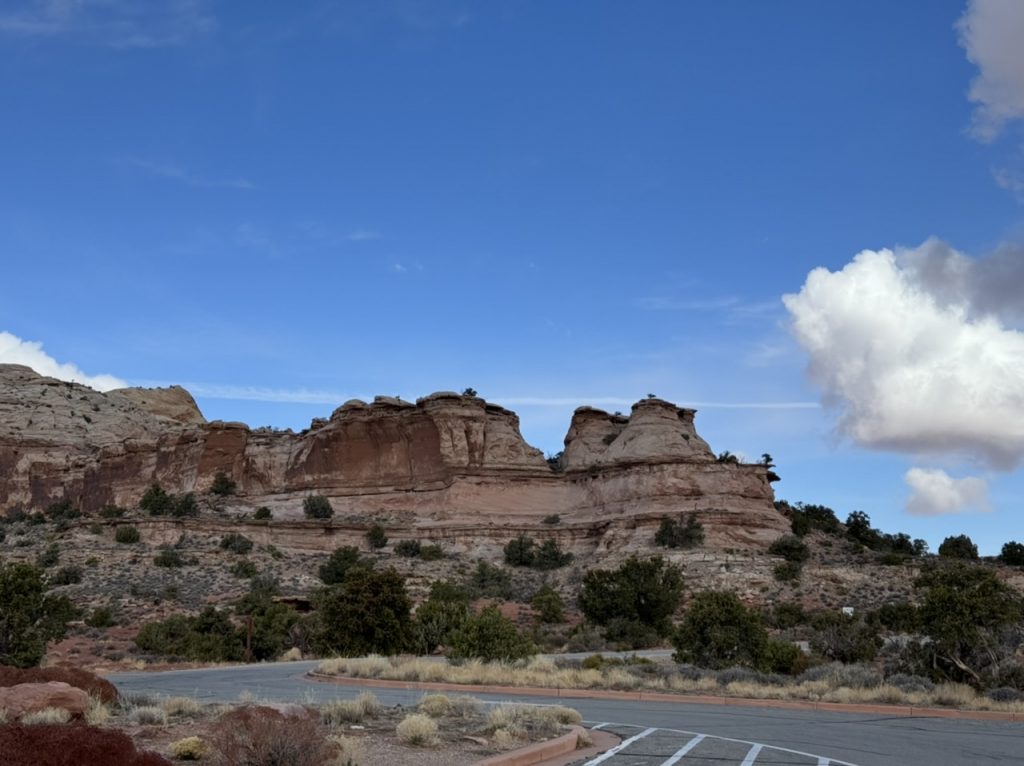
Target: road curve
724,735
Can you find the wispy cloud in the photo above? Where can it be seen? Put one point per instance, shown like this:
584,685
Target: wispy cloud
615,401
112,23
362,235
1010,180
173,172
266,394
304,395
731,306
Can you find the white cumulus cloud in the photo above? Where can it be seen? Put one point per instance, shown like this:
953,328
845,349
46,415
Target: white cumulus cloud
14,350
913,349
992,31
935,492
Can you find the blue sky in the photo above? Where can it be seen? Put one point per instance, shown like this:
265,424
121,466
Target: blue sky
283,206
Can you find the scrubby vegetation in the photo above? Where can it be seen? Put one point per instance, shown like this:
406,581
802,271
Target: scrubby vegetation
523,551
317,507
635,602
29,616
675,534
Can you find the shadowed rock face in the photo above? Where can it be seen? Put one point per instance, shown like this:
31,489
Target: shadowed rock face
448,459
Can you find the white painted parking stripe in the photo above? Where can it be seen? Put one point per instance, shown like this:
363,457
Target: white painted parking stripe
605,724
751,756
826,761
621,746
822,761
683,750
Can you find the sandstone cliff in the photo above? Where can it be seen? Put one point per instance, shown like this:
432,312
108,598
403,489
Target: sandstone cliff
446,462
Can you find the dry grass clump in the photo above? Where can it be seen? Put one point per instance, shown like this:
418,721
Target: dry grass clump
833,682
520,721
98,713
373,666
348,750
149,714
49,715
435,705
189,749
419,730
366,705
292,655
180,706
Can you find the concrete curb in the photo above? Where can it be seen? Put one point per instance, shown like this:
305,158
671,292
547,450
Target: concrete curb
680,699
538,752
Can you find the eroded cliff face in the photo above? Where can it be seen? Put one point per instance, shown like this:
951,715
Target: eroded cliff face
446,462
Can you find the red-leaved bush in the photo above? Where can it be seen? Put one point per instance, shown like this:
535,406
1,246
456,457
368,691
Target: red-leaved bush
71,745
88,682
260,736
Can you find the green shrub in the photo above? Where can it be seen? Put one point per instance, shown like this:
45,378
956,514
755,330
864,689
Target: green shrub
317,507
844,638
208,637
782,657
520,552
642,590
222,485
409,548
63,509
550,556
489,581
236,543
548,605
168,557
243,569
523,552
718,631
899,617
263,514
375,536
969,615
787,614
788,571
70,575
126,534
156,502
338,564
185,505
370,612
100,617
791,548
488,636
437,618
111,512
1012,554
49,557
29,617
958,547
431,552
554,518
672,534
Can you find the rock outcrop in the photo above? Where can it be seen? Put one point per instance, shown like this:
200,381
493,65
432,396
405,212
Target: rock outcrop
22,699
445,461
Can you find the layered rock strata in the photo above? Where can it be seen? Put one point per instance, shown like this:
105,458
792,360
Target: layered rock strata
446,463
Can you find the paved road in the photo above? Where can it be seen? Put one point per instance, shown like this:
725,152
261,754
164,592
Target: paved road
658,734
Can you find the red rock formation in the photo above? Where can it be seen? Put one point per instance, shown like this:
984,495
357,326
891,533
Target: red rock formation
447,461
22,699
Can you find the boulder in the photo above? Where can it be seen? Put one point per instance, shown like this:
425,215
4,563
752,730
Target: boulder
21,699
